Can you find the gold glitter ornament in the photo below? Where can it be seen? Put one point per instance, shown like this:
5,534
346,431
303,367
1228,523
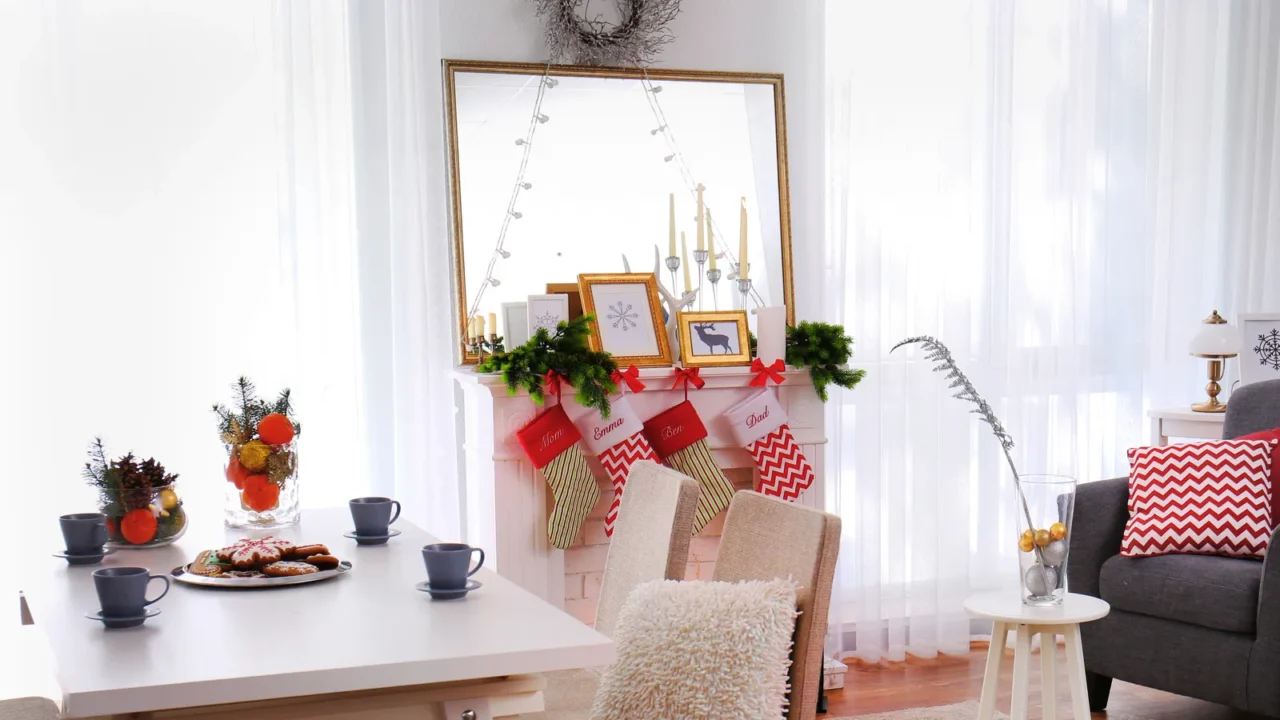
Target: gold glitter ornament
253,456
1057,531
1042,536
1026,544
168,499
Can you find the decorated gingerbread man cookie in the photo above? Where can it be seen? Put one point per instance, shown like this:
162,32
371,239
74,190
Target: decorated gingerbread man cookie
249,552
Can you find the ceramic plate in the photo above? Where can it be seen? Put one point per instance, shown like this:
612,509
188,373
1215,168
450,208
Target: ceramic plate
183,576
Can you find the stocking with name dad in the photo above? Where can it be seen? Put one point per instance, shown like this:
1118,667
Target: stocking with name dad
760,425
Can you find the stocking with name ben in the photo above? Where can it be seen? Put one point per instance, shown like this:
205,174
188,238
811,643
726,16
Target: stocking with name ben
680,438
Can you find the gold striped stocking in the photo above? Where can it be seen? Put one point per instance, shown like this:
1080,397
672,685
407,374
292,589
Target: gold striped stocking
552,442
716,490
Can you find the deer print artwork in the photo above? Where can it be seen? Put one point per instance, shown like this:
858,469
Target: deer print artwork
711,342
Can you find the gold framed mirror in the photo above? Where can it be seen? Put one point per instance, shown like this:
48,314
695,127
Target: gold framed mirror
557,171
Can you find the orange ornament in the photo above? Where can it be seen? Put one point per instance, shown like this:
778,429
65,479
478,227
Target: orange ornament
139,526
236,473
275,429
260,494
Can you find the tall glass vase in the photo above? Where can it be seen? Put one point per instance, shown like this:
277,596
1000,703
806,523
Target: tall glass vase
1045,507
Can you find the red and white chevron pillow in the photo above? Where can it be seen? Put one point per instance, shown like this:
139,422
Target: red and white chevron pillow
1211,498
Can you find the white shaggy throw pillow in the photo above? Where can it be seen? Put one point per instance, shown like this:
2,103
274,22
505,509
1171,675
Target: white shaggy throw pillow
701,650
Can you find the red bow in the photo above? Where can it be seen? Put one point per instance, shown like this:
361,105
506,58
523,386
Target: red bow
630,376
552,382
688,376
765,373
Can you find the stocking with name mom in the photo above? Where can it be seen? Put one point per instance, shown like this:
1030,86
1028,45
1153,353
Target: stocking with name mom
552,442
760,425
619,442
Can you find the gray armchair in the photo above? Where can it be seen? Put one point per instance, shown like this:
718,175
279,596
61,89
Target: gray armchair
1198,625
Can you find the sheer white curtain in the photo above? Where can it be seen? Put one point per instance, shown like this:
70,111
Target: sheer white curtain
194,191
1055,191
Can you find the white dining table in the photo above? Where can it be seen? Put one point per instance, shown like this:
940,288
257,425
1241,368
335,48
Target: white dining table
363,645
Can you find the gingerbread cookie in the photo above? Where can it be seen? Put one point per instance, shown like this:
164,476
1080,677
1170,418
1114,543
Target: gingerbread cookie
206,564
248,552
242,574
287,568
323,561
306,551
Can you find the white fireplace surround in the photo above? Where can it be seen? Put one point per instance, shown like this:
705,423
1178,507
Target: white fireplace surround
506,500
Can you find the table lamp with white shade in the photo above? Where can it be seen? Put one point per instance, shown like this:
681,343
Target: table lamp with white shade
1216,341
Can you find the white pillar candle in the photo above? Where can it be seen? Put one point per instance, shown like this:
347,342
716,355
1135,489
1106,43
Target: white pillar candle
771,333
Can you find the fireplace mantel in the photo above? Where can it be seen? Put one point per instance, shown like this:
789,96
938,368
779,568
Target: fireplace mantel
506,499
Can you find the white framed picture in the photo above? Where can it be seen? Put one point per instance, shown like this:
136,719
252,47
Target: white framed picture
628,318
515,324
1260,351
546,311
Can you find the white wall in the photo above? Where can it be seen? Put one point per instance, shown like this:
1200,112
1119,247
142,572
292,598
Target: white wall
745,35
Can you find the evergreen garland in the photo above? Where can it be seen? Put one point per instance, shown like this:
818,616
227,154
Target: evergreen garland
566,351
825,350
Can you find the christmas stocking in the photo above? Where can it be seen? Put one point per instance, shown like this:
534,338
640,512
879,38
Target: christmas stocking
760,426
618,442
680,438
551,442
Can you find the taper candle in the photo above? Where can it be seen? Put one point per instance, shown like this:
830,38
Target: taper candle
742,240
471,329
684,261
493,323
479,326
671,222
701,209
711,239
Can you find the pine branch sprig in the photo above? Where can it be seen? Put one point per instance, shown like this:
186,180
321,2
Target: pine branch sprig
825,349
566,351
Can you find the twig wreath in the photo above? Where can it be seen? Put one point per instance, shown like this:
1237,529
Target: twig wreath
634,40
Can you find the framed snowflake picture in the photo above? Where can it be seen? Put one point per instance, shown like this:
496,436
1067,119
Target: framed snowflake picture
628,318
714,339
546,311
1260,351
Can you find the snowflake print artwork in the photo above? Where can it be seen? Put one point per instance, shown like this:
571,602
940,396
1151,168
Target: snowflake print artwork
545,320
547,311
1268,349
623,317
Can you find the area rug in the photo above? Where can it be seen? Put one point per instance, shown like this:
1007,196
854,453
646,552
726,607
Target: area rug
959,711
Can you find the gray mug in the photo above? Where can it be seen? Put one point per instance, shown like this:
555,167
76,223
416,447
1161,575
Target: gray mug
84,533
449,564
373,516
123,590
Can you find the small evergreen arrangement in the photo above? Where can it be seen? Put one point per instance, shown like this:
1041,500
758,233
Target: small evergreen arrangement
137,496
566,351
237,425
825,350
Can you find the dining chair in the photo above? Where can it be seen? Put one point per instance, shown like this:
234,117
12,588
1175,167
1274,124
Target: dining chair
650,542
650,538
28,683
766,538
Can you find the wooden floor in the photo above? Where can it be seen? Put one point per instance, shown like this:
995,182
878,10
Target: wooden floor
949,679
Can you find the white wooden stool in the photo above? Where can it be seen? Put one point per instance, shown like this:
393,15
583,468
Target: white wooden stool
1007,612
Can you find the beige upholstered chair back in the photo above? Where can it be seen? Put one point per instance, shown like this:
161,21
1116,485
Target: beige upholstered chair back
650,537
766,538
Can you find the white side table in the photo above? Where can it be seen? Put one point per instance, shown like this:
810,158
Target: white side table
1007,612
1184,422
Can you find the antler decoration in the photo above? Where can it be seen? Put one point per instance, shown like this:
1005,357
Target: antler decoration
938,354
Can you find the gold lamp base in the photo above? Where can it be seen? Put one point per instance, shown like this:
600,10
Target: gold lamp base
1213,405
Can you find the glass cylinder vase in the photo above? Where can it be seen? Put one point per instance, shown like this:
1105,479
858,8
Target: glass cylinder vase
262,485
143,517
1045,504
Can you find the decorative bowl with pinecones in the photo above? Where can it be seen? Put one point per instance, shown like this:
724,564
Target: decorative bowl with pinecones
262,459
139,498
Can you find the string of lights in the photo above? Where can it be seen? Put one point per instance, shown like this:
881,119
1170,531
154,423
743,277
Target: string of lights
686,173
536,118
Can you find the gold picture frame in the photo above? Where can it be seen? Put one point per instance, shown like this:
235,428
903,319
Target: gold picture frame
645,348
685,322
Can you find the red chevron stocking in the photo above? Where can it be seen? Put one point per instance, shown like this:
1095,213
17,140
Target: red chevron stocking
619,443
551,442
760,425
680,438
